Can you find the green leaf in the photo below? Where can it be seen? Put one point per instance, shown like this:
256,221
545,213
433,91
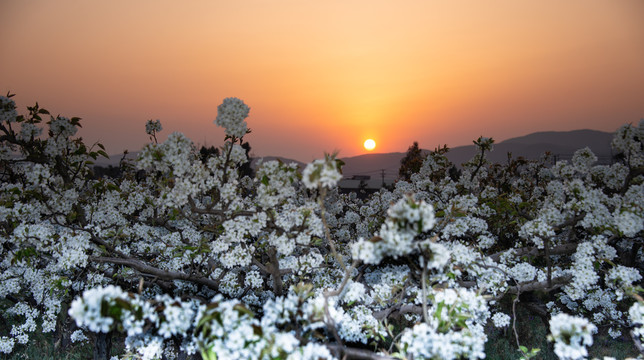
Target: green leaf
439,309
24,254
123,304
113,187
257,330
241,309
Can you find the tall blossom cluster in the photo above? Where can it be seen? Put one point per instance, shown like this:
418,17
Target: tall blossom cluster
231,115
184,255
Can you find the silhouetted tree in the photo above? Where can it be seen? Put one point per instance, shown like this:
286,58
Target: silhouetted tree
412,162
454,173
245,169
206,152
111,171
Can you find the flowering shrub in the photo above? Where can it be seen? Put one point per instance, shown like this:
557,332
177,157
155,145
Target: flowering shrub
184,255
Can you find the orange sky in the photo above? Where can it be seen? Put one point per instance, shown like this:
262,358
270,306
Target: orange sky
325,75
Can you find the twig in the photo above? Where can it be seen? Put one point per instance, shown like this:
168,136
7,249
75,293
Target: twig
327,233
400,309
424,289
161,274
354,353
327,294
514,318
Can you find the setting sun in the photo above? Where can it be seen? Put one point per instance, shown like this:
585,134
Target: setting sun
369,144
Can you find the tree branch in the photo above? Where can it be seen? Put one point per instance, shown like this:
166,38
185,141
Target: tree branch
398,309
162,274
354,353
533,251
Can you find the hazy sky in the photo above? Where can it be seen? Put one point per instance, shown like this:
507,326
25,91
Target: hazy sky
325,75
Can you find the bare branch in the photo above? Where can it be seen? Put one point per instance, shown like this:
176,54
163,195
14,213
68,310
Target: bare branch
637,342
542,285
398,309
533,251
161,274
354,353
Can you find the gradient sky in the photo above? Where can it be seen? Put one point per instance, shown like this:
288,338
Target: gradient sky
325,75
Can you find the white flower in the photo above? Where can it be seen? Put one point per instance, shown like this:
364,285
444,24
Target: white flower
62,126
153,126
411,215
501,320
523,272
87,310
354,292
322,173
614,333
571,335
622,276
536,230
231,115
312,351
6,344
636,315
439,255
29,131
583,159
77,336
629,224
407,219
8,111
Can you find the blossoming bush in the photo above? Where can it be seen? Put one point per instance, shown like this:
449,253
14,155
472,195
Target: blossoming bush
183,255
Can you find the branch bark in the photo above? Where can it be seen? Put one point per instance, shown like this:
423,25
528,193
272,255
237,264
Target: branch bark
541,285
354,353
398,309
162,274
533,251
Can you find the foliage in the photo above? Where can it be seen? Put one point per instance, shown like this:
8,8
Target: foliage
185,254
412,162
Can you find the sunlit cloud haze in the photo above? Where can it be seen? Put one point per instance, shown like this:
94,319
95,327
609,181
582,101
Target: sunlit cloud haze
326,75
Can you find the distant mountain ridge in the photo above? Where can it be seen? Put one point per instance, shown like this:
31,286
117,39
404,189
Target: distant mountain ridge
563,144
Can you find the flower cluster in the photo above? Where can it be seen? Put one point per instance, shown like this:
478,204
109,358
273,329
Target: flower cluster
407,219
62,126
153,126
8,111
636,315
571,335
231,115
501,320
221,329
455,329
322,173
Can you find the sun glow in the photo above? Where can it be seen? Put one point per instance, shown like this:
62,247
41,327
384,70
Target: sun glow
369,144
